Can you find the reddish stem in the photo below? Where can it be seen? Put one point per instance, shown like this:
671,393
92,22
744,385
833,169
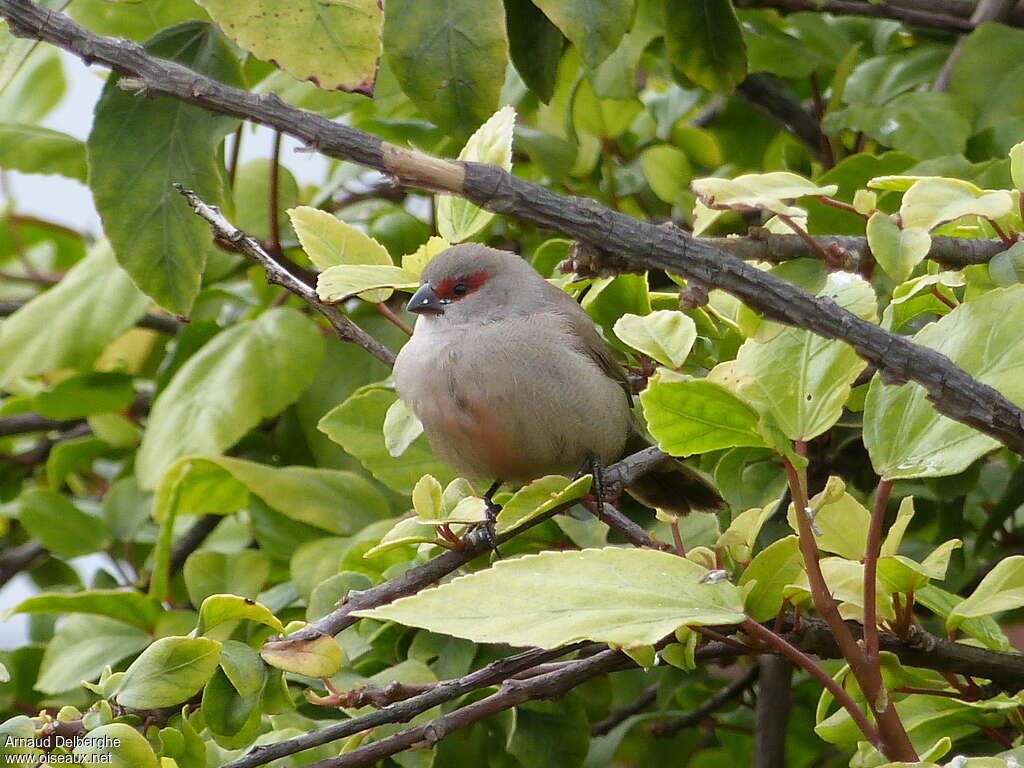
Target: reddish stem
874,544
394,319
802,660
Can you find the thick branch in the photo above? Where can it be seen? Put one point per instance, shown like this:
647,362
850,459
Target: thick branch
637,244
944,14
774,691
761,245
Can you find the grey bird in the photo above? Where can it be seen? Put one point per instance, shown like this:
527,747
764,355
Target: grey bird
512,381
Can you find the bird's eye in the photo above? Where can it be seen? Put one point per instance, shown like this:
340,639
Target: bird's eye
460,289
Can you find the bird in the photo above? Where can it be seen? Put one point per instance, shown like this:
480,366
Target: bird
512,381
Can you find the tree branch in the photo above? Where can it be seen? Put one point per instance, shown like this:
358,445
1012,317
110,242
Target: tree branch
30,421
639,704
638,245
14,560
925,13
162,323
766,94
512,692
668,728
774,685
762,245
407,709
985,10
279,274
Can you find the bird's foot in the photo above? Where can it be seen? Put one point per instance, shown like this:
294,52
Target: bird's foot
487,525
599,492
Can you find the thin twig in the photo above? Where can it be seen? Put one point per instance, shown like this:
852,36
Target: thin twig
403,711
277,274
668,728
640,703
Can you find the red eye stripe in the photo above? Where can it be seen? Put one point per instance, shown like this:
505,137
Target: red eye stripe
445,289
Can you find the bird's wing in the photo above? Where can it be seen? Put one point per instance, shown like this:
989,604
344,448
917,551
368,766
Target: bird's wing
591,341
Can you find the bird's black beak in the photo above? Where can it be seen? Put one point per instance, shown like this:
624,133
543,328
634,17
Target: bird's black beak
425,302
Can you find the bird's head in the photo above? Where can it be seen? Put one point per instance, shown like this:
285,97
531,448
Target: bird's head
473,283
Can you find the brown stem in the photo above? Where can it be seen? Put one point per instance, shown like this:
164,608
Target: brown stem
394,319
236,148
273,225
874,543
802,660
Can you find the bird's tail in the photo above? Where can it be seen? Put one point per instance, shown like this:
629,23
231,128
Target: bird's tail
672,485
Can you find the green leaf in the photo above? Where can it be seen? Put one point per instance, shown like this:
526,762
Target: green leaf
594,28
984,628
244,375
216,609
130,607
879,79
1007,267
170,671
70,456
688,416
457,218
69,325
243,667
84,394
357,426
665,335
401,427
334,45
741,535
321,657
931,202
408,530
160,242
82,647
626,597
705,42
117,745
346,280
30,90
329,242
34,149
904,434
924,124
897,250
540,496
759,191
60,526
232,719
668,172
449,58
535,45
799,378
840,521
1017,164
989,56
775,566
1002,589
210,573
